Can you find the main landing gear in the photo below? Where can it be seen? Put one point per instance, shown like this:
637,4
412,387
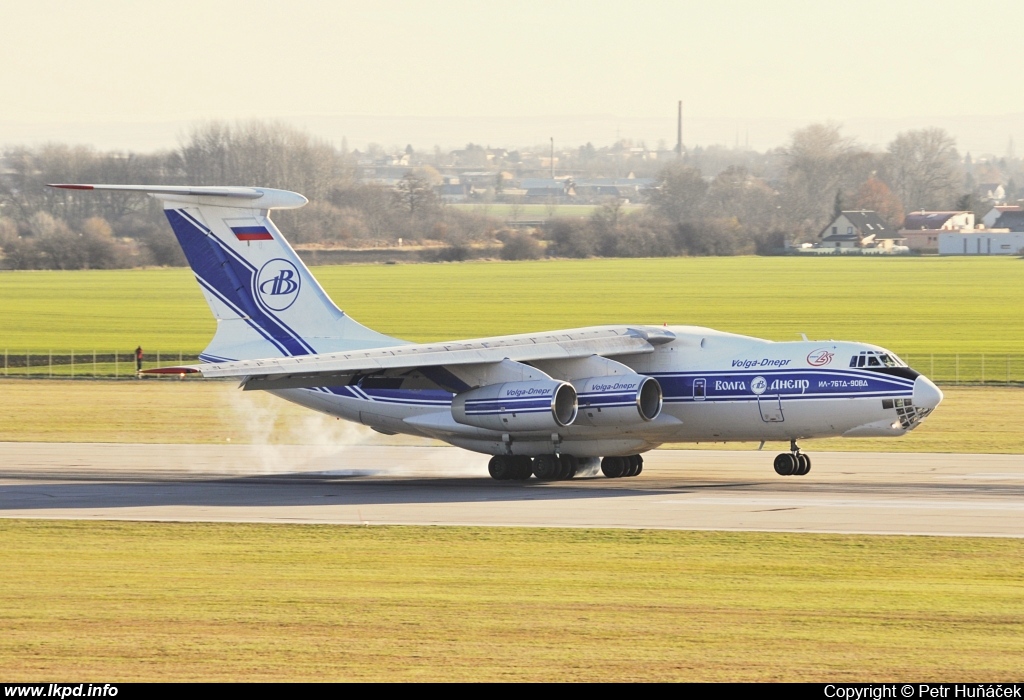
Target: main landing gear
615,467
792,463
558,467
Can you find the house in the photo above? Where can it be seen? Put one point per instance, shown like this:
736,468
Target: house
993,214
939,221
858,230
629,189
1011,220
921,229
546,189
453,190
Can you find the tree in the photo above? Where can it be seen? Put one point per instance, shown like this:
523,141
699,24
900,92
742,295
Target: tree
520,245
837,205
922,168
415,194
821,162
875,195
679,196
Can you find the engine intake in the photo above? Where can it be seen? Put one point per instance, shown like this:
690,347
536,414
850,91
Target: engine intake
536,405
629,399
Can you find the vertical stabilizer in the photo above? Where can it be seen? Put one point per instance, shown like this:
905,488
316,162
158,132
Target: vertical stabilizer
266,301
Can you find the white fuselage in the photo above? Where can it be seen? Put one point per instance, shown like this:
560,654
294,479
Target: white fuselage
717,387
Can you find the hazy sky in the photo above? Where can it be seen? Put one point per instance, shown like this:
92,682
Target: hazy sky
93,67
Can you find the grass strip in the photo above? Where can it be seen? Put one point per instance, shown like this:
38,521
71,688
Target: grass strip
909,305
113,601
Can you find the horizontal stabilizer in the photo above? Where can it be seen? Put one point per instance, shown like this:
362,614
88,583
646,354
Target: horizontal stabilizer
255,197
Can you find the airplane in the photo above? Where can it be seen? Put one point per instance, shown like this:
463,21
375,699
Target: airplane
547,405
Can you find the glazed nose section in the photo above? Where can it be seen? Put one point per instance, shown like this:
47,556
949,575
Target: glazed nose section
926,394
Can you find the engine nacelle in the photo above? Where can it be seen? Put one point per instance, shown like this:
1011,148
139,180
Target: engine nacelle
520,406
628,399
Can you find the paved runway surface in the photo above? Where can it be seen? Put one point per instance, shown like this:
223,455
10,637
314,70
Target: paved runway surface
679,489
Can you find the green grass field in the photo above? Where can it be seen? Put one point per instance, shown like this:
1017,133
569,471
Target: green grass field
112,602
910,305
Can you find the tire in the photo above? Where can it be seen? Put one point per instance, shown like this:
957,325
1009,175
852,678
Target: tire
785,464
631,465
546,467
613,467
569,466
639,465
523,468
804,464
500,468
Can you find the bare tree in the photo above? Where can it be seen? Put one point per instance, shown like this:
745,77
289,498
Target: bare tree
679,197
415,194
922,168
820,163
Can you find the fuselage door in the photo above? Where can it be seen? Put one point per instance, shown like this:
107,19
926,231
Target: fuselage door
700,388
771,408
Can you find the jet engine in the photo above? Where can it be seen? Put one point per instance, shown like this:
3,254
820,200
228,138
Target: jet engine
535,405
618,400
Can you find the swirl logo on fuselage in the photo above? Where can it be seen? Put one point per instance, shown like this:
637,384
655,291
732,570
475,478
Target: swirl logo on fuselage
758,385
278,284
819,358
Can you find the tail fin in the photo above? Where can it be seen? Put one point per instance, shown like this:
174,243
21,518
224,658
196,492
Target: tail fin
266,301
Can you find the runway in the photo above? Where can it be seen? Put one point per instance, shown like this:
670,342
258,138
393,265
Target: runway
874,493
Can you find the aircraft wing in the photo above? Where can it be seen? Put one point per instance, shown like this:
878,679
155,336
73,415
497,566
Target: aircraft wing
335,368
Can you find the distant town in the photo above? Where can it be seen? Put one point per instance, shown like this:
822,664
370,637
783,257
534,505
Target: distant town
821,193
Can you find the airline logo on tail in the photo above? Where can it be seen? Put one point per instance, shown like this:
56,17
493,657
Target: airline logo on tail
278,284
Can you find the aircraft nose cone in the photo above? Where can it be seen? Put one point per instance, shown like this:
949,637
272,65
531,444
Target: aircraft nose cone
926,394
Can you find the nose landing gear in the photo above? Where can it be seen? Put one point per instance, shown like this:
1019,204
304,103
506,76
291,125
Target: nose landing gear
792,463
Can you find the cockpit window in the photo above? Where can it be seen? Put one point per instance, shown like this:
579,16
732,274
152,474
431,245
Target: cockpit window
874,358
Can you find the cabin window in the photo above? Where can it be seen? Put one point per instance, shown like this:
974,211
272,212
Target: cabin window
873,362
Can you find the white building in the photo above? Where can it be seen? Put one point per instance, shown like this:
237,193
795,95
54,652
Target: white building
981,243
859,229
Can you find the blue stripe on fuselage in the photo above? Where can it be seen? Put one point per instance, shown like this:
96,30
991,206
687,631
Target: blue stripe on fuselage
789,384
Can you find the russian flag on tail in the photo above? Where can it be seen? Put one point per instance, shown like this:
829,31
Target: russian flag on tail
251,233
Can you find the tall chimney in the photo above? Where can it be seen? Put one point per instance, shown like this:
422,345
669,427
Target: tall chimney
679,131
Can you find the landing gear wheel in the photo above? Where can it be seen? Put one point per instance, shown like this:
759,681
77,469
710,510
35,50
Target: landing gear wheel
546,467
613,467
639,465
632,465
569,466
803,464
785,464
523,468
501,467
